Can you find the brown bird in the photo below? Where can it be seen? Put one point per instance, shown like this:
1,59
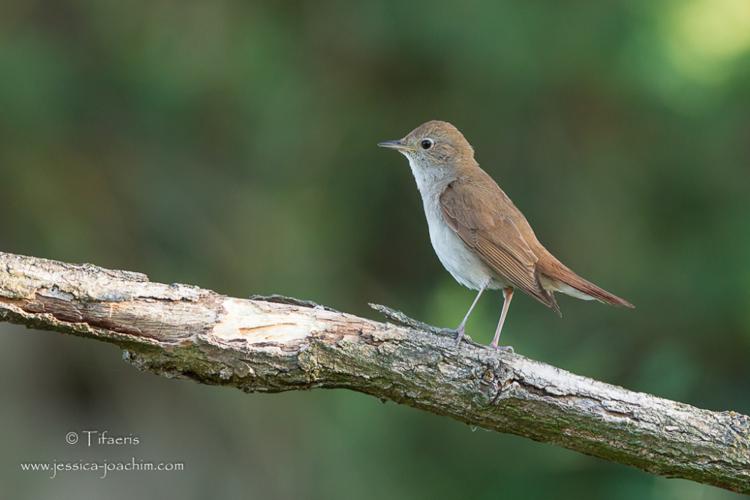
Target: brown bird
479,235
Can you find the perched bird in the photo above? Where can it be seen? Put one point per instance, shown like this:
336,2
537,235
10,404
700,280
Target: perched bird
479,235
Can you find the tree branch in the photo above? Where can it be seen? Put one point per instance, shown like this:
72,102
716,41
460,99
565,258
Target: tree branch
281,344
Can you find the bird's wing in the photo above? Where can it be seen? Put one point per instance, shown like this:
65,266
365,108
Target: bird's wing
483,217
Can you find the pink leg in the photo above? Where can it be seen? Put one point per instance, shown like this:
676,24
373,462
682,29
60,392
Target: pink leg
507,297
462,327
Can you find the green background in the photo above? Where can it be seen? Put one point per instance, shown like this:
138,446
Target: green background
231,145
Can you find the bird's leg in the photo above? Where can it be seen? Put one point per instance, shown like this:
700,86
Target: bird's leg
507,297
462,326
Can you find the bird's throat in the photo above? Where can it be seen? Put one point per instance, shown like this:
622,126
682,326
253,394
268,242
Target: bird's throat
431,179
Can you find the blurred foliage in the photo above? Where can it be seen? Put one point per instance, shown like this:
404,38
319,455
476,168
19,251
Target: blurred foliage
232,145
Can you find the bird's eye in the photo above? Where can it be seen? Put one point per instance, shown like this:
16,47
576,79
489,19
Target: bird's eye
426,143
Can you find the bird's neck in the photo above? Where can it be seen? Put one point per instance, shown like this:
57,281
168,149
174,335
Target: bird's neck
431,180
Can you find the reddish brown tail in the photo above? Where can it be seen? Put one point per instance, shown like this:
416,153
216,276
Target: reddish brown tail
557,271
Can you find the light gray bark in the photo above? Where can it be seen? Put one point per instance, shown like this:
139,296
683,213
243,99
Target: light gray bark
279,344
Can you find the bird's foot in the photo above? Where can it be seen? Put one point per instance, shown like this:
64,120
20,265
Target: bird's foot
460,331
504,348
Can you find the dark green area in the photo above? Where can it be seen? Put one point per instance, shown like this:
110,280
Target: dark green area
232,145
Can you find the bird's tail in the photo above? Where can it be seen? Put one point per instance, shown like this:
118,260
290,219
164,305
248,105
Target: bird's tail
559,278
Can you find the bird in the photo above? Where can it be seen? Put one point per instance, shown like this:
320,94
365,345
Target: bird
478,234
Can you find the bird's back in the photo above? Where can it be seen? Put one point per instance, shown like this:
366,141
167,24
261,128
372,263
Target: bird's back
504,224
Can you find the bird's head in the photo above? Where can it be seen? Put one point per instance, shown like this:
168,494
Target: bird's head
434,144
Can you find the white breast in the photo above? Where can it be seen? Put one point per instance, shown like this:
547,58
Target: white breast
456,257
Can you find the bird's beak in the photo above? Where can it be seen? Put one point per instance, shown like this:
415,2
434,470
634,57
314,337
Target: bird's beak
397,145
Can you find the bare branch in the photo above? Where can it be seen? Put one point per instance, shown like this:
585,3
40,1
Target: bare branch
281,344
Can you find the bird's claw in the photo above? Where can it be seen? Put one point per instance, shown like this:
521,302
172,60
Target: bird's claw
504,348
460,331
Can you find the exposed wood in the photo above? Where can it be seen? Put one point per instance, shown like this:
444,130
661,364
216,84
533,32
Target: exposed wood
280,344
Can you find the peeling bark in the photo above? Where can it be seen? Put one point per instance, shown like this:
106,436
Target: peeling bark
273,344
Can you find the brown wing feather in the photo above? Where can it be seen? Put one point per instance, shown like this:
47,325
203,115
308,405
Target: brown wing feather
482,216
